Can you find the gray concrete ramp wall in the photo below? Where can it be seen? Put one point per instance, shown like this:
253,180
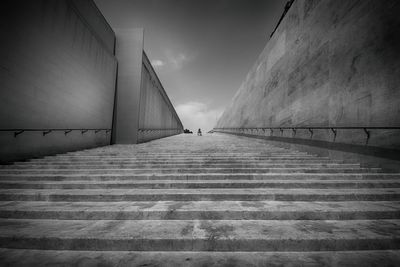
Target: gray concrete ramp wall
143,110
129,51
57,71
158,117
330,63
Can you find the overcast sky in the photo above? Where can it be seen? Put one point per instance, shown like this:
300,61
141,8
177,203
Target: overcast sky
200,49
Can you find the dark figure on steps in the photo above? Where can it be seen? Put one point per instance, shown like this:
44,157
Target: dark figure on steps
199,132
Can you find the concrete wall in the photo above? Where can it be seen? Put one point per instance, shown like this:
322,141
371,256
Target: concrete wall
330,63
143,110
129,51
158,117
57,71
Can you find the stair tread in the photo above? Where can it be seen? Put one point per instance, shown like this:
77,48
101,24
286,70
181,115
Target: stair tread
203,191
211,194
23,257
261,206
225,181
222,193
221,235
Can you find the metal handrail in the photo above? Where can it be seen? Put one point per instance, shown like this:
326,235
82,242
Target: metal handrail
160,129
314,127
311,129
47,131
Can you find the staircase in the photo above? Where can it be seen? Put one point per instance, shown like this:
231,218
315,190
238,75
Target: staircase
215,200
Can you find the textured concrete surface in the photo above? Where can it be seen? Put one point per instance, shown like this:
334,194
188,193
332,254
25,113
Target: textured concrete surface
156,110
49,52
200,235
200,176
330,63
199,194
166,184
143,110
129,51
23,257
207,210
215,200
58,71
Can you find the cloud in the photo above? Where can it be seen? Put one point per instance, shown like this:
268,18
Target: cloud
157,63
177,60
196,115
171,60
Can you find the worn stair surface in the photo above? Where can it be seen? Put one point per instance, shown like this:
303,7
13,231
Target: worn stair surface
215,200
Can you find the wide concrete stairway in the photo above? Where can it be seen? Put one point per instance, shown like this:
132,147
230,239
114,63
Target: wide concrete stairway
215,200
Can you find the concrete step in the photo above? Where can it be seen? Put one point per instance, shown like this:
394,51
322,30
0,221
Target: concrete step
177,155
197,201
210,194
172,162
183,152
369,258
182,155
190,160
177,161
200,235
156,155
189,170
201,210
182,165
202,176
205,159
159,184
187,148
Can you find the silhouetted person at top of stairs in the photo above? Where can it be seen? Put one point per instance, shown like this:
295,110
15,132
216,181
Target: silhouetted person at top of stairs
199,132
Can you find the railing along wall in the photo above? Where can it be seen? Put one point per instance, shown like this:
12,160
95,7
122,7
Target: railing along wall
367,131
150,134
45,132
157,116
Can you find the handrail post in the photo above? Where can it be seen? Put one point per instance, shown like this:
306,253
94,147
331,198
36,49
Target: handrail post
18,133
368,135
46,132
311,132
334,134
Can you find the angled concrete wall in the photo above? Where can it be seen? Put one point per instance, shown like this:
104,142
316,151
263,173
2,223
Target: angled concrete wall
129,51
330,63
143,110
57,72
158,117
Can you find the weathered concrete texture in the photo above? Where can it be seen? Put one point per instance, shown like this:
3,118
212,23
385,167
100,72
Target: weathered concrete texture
200,235
205,210
223,200
57,71
200,194
96,21
330,63
129,51
156,110
143,110
371,258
